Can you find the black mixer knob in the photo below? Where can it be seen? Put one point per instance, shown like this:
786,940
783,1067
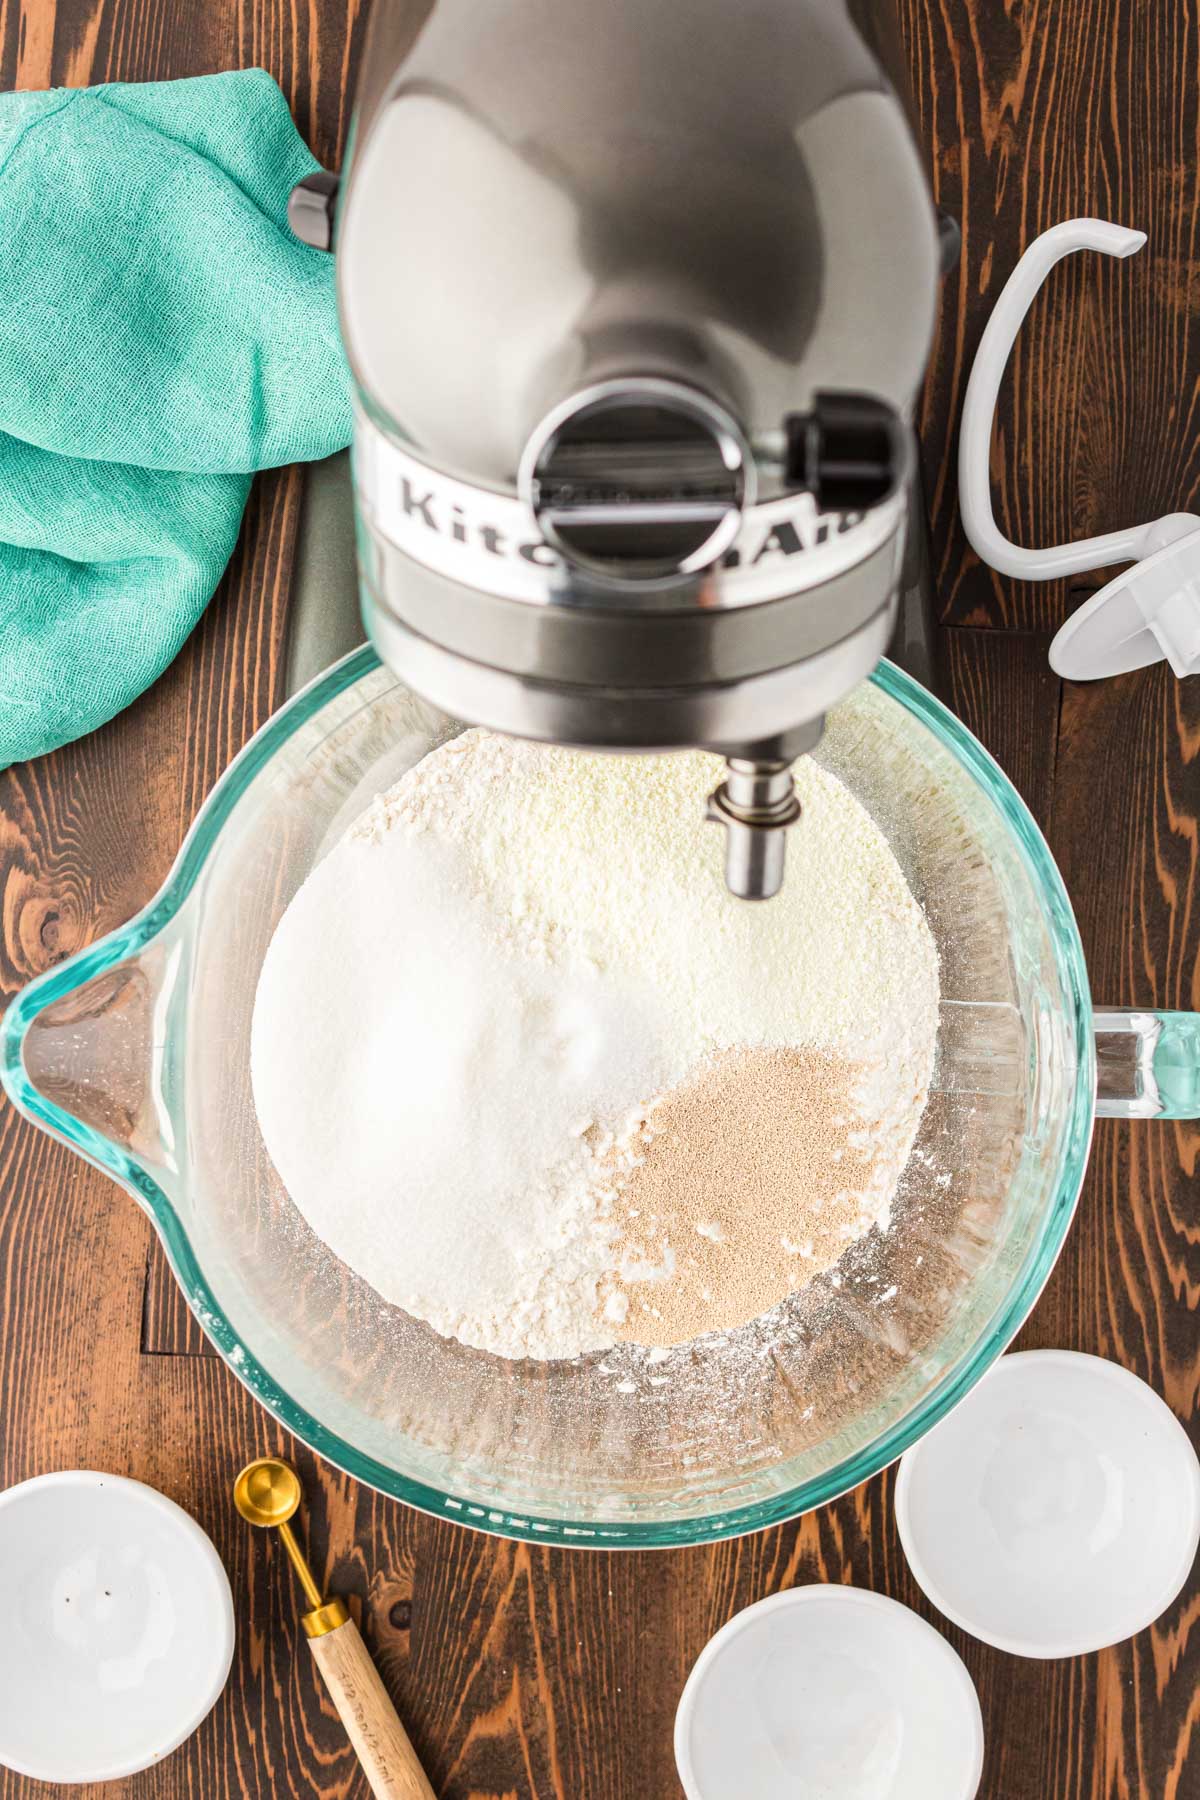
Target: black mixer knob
848,452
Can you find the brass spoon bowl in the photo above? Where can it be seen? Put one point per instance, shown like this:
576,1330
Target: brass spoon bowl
267,1492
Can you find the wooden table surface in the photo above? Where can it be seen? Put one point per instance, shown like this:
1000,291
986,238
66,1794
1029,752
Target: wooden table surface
525,1672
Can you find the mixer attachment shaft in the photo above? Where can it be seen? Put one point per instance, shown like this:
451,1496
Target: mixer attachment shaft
756,803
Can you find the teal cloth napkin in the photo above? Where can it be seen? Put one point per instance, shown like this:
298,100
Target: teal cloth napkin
162,336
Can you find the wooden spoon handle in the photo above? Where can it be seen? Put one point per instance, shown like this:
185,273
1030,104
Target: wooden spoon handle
380,1740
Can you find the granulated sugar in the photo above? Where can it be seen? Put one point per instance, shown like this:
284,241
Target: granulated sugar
415,1080
484,1003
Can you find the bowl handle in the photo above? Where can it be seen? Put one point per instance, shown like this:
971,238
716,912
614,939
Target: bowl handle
1147,1065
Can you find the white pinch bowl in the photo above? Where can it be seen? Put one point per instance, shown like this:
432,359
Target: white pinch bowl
829,1693
118,1626
1056,1510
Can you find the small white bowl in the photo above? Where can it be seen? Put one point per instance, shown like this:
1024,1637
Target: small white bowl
118,1626
1056,1510
828,1691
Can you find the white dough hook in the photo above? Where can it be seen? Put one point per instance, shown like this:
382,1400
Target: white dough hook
1150,611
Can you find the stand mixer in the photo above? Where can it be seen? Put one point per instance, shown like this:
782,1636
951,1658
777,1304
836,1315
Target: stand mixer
637,301
752,257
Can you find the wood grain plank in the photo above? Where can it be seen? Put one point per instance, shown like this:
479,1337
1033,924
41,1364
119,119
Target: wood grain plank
1124,830
1002,686
1033,114
1122,813
86,837
169,1326
1129,849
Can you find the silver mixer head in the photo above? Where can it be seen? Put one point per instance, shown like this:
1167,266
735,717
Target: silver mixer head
637,302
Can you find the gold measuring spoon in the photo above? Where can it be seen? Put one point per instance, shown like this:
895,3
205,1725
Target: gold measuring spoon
267,1492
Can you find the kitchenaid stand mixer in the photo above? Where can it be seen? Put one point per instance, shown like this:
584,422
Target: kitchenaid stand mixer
136,1051
637,305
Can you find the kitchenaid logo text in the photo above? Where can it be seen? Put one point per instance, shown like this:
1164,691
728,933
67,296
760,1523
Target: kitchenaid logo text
424,508
488,540
776,537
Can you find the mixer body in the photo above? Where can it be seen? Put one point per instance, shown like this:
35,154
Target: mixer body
637,300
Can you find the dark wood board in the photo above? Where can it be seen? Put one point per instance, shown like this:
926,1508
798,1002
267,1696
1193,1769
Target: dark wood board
1034,112
527,1674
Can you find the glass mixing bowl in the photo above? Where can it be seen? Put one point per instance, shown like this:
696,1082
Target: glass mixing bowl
136,1053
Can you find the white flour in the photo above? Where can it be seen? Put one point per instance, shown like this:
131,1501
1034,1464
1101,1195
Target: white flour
482,985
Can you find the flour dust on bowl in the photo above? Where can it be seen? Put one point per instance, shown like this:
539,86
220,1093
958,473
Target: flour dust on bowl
138,1053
